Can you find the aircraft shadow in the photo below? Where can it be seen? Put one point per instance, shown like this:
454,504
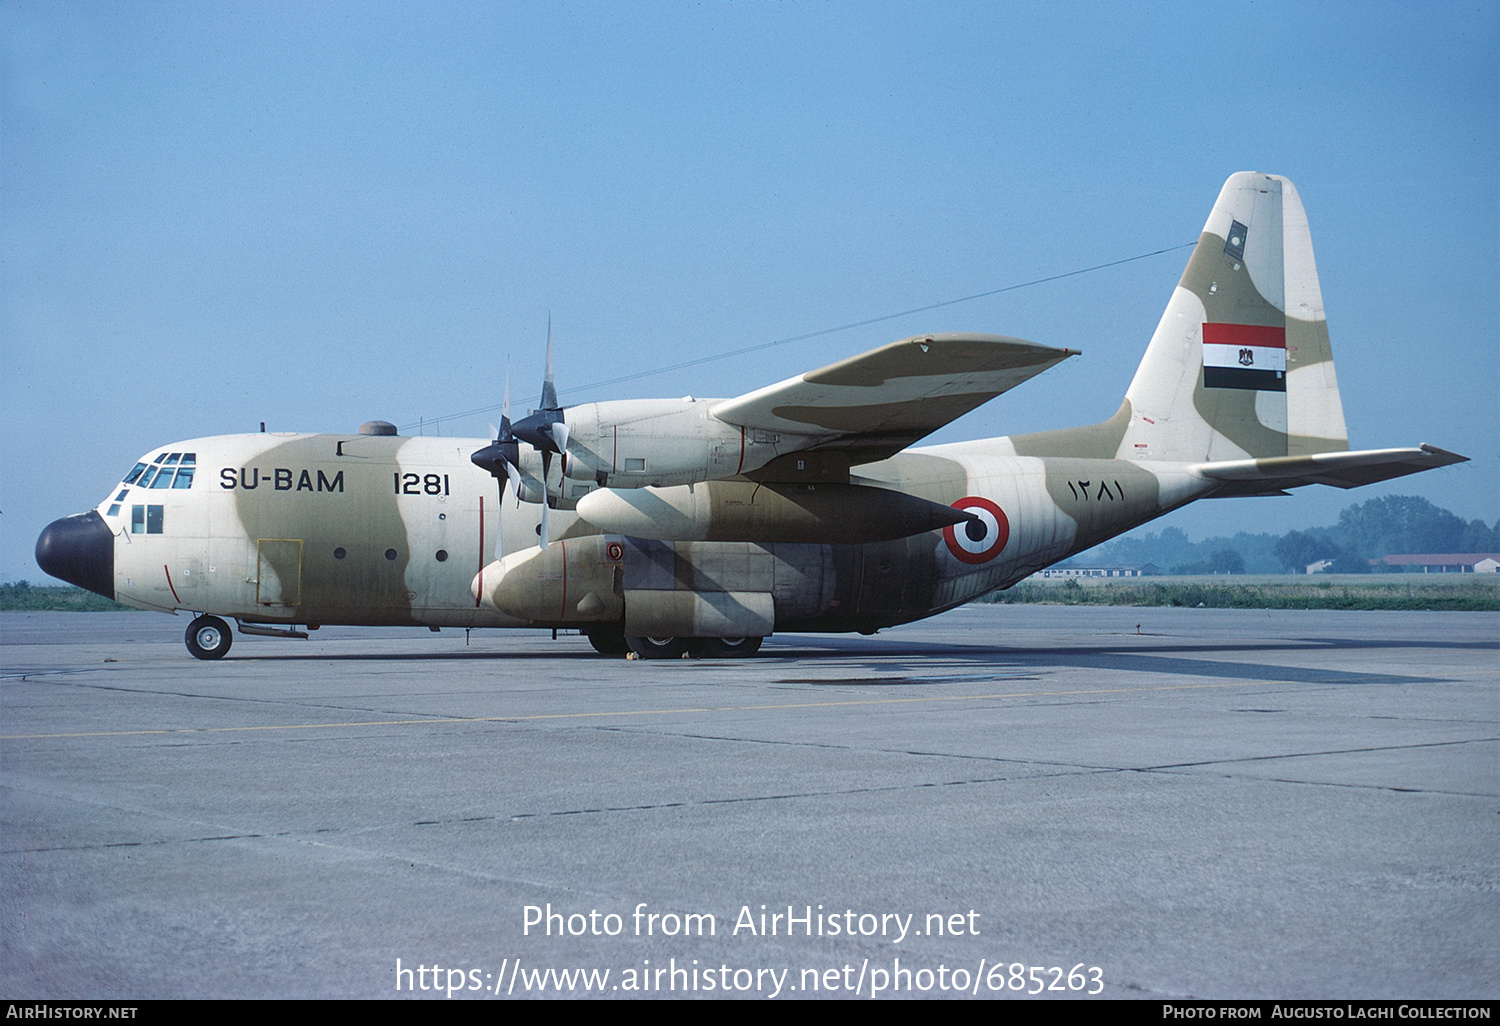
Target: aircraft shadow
880,660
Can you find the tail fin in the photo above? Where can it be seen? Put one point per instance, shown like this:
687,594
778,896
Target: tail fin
1240,365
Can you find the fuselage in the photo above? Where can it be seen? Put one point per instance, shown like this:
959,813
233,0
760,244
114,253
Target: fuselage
386,530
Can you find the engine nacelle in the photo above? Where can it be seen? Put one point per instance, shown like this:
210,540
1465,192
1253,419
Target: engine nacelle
823,514
634,443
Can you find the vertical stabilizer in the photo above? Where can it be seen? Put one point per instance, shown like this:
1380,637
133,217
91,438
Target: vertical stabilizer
1240,365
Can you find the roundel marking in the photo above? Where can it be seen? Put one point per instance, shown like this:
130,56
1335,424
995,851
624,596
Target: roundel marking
978,541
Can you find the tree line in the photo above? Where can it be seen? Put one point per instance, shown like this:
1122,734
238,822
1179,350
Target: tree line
1389,525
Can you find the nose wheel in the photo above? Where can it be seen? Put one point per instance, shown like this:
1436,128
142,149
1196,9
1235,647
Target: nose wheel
208,637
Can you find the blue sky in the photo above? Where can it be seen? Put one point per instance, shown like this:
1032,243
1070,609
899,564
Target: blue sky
312,215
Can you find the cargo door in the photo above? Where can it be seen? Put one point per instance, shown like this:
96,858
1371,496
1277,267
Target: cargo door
279,573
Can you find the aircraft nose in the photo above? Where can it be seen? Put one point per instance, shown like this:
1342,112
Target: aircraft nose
80,550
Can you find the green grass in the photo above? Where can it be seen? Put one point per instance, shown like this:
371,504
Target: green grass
24,597
1396,592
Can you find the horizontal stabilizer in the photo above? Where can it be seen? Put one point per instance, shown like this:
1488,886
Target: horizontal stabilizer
893,395
1341,469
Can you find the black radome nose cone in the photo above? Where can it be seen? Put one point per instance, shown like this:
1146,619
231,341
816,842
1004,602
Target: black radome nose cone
80,550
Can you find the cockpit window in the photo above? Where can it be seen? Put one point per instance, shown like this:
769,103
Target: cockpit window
159,473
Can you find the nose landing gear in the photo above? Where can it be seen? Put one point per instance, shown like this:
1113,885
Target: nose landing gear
208,637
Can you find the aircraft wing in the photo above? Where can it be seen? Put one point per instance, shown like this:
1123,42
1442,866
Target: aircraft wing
1273,475
878,403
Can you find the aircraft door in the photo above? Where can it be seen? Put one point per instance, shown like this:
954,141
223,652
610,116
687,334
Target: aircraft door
279,572
882,571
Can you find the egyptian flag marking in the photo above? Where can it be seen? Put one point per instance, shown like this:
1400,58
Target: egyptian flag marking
1249,356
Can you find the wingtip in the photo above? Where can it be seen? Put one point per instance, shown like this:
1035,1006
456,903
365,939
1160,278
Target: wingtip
1443,454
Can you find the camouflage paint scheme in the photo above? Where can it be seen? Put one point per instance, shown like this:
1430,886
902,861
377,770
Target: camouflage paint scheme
797,507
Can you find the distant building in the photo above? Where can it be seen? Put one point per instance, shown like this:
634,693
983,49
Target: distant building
1439,563
1321,566
1106,570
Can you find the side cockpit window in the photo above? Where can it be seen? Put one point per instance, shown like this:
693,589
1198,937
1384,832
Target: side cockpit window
168,470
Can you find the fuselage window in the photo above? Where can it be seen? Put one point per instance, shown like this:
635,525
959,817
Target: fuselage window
114,510
339,553
145,519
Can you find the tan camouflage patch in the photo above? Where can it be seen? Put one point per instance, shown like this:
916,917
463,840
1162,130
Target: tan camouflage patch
932,356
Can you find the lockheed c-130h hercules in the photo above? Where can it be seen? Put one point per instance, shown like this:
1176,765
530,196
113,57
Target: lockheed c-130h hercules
694,525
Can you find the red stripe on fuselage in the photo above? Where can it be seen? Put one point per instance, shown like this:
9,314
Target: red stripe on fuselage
480,589
1244,335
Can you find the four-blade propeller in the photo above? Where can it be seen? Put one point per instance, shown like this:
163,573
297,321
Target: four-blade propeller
544,430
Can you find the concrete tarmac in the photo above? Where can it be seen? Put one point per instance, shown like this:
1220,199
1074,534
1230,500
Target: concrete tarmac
1214,804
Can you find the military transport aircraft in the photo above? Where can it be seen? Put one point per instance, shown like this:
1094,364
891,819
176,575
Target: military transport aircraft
703,525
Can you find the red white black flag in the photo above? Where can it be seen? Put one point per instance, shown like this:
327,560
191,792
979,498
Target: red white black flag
1249,356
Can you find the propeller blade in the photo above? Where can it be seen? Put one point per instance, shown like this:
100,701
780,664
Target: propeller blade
549,391
505,409
546,499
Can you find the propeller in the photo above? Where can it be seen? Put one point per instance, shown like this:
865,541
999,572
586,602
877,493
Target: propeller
502,457
546,431
545,428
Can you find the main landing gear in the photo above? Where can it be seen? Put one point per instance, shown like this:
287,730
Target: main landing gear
608,640
208,637
702,648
